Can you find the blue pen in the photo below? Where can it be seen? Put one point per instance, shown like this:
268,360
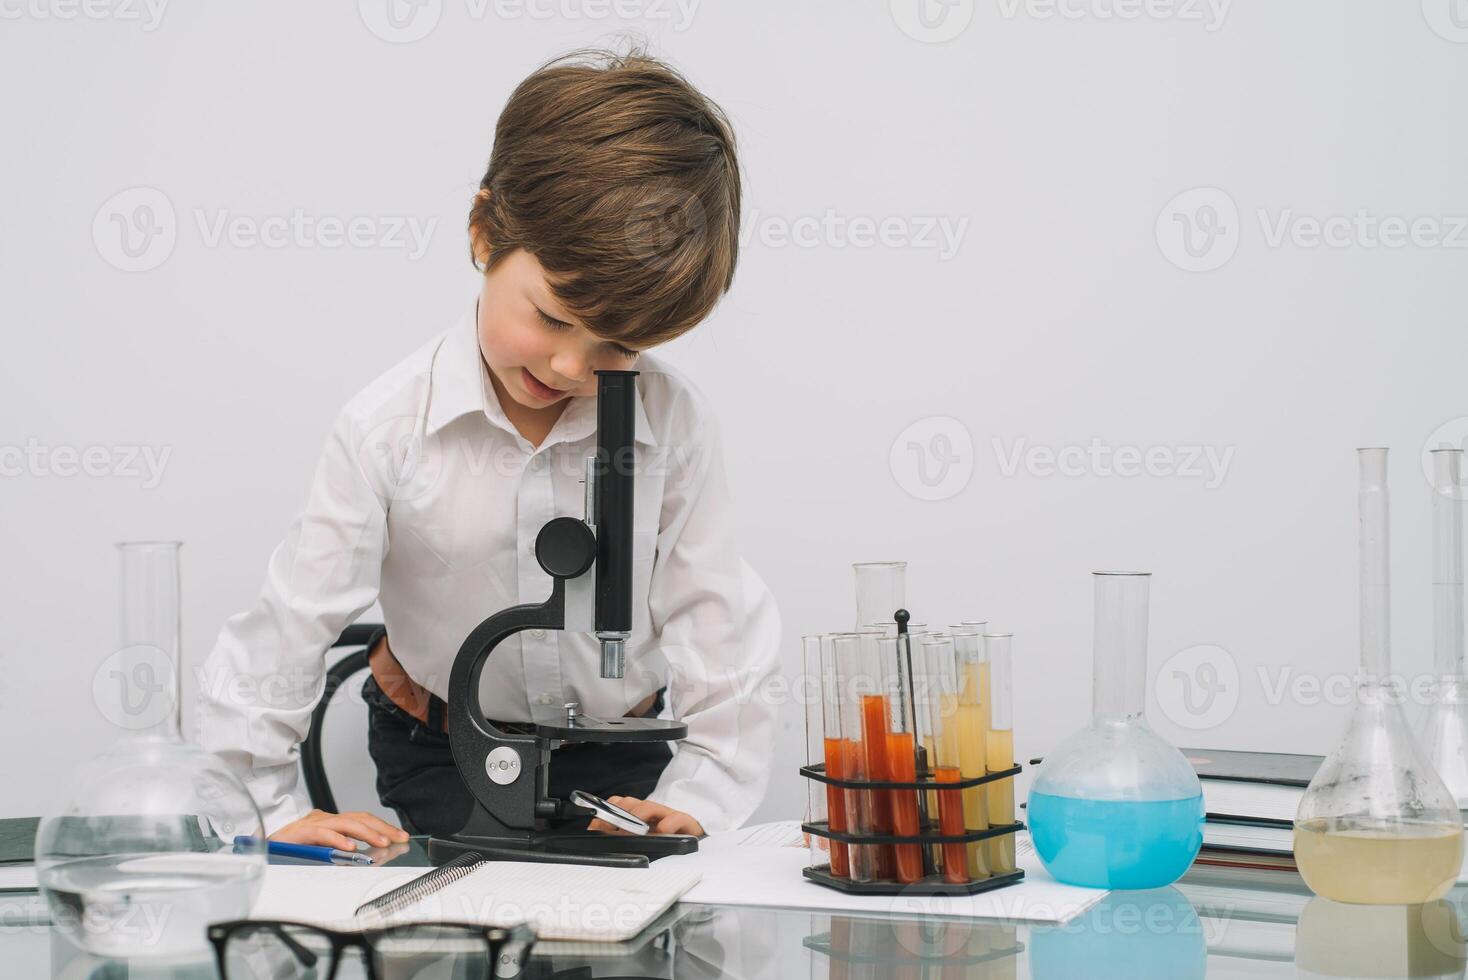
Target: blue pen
311,852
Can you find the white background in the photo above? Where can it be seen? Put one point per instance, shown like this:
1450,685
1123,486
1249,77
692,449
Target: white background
1064,315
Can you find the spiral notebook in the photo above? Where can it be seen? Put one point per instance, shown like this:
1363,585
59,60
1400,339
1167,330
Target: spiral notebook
573,902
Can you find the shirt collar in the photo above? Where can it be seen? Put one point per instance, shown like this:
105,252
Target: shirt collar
460,386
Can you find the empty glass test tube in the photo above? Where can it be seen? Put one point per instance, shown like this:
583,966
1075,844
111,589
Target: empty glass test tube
822,745
881,590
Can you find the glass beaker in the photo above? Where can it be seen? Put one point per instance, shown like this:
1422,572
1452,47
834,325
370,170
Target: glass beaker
973,731
881,590
1444,733
1377,825
999,748
1116,806
143,856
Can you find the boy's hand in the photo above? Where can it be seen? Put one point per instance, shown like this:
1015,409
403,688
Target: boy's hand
340,830
661,819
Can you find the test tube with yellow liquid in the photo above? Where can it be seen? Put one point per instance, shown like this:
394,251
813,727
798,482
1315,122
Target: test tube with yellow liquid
973,725
999,748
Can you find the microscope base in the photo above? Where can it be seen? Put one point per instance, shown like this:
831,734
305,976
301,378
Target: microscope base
586,847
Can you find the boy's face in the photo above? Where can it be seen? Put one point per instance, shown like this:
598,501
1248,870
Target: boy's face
539,353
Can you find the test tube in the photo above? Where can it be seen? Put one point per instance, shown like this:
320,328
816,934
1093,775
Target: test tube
973,731
902,750
823,745
881,590
857,681
1000,749
937,709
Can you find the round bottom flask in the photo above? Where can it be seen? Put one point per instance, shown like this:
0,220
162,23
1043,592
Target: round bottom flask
1116,806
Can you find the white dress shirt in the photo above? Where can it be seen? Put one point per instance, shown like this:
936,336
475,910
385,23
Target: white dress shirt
428,500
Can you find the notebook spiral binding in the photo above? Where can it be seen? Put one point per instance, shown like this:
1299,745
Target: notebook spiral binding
404,896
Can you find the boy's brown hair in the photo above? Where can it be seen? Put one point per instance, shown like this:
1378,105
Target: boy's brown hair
620,178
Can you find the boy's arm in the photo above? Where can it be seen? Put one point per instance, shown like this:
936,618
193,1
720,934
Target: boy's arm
264,676
720,635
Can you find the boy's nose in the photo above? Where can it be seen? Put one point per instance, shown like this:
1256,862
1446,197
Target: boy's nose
570,366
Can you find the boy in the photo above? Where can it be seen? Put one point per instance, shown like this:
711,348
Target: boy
606,224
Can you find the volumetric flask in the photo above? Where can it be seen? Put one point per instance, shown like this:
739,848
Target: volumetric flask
1116,806
1377,825
881,590
1445,728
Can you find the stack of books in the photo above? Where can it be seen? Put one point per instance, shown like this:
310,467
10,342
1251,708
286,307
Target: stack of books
1250,799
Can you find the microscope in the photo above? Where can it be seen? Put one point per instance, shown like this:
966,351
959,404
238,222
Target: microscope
507,766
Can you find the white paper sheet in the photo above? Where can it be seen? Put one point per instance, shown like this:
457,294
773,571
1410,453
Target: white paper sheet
745,874
561,901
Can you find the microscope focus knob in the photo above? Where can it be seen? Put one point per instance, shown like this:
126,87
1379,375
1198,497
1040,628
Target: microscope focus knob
565,547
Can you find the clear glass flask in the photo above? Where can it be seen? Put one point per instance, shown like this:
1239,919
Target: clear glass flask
143,856
1444,733
999,748
1377,825
881,590
1115,805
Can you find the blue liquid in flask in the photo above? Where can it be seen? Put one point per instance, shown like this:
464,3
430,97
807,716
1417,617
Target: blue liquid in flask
1116,843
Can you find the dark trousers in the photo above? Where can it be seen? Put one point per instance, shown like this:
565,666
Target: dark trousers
416,775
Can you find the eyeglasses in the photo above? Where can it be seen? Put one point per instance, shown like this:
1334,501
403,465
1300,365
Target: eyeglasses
249,949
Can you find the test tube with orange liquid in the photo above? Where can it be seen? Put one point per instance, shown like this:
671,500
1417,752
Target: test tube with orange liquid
823,744
936,705
855,679
896,659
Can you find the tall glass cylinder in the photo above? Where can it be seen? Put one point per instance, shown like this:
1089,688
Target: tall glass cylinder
143,855
973,735
1000,748
1444,733
881,590
1377,825
1116,806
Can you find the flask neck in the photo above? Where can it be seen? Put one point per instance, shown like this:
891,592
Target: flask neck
1375,556
1119,686
138,688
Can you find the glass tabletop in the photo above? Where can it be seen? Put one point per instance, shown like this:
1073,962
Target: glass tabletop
1215,922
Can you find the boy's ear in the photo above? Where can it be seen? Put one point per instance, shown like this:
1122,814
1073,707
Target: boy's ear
478,243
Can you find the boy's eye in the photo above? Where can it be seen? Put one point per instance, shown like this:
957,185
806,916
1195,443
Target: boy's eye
551,321
626,352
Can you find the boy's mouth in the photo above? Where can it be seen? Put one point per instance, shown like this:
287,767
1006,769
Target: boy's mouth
538,388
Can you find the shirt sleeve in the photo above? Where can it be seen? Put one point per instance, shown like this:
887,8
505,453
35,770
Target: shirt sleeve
719,632
265,674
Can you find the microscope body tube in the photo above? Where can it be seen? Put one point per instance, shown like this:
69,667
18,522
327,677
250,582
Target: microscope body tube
613,497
